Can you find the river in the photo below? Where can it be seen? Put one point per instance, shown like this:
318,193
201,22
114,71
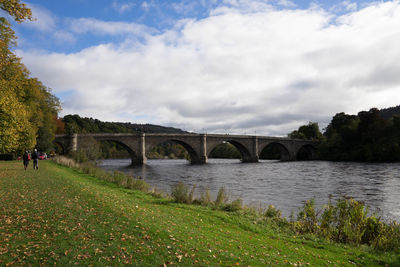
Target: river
286,185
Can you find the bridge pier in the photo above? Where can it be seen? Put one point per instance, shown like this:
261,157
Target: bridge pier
73,142
253,157
140,158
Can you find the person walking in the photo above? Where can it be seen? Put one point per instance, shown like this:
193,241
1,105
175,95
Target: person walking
35,158
25,159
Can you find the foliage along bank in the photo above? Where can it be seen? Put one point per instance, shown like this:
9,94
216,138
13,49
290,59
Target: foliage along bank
370,136
28,110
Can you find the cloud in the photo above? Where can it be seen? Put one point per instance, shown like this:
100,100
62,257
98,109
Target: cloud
238,70
44,21
345,6
286,3
63,37
99,27
122,7
147,5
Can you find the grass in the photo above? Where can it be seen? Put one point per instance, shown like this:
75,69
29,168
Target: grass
57,215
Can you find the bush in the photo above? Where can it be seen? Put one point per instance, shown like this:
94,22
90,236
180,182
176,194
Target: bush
348,222
388,237
79,156
222,198
180,193
138,184
205,198
191,194
236,205
307,218
272,213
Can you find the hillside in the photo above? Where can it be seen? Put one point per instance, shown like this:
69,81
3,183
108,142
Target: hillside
77,124
388,113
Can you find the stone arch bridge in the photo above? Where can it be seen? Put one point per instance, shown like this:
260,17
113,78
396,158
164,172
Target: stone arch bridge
198,146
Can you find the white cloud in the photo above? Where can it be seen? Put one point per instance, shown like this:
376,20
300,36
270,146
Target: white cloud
286,3
63,37
261,70
345,6
185,7
146,5
122,7
44,21
99,27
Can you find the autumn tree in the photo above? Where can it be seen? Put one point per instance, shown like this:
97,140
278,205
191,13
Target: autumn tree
27,107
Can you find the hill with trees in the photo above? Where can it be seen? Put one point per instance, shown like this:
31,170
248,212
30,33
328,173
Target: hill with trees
77,124
388,113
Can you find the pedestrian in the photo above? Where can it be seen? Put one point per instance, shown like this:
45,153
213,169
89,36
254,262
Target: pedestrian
35,157
25,159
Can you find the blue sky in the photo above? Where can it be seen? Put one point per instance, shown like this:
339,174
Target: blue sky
224,66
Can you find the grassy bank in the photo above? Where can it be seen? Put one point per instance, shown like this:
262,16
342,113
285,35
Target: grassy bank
58,215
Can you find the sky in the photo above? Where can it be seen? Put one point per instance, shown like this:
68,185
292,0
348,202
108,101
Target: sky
259,67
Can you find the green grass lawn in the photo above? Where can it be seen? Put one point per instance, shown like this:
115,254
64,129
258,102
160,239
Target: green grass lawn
59,216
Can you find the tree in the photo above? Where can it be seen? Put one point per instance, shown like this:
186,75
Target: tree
310,132
27,107
19,11
16,133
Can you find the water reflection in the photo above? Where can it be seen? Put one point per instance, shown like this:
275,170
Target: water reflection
284,184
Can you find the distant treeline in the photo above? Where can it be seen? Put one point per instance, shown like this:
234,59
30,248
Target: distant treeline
77,124
370,136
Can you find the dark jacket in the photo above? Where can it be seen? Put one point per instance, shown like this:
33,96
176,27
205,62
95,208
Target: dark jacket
35,155
25,157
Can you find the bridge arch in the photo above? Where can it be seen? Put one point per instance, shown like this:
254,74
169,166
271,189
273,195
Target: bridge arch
244,152
306,152
277,149
132,153
62,147
193,154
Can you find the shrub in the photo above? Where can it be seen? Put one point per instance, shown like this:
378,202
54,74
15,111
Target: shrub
180,193
79,156
236,205
348,222
272,212
327,227
137,184
307,218
221,197
191,194
205,198
118,177
388,237
158,193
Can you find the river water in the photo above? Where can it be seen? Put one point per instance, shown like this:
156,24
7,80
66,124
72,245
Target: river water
286,185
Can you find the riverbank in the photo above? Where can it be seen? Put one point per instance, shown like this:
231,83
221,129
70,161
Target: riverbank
58,215
270,182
